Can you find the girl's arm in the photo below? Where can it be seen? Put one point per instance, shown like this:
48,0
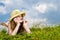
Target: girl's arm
14,32
9,29
25,25
16,29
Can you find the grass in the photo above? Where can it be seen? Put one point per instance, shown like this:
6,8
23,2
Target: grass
47,33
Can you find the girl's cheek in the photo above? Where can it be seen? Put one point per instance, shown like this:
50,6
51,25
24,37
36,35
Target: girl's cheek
15,20
19,19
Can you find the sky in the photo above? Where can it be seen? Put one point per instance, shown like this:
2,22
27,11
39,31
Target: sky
37,11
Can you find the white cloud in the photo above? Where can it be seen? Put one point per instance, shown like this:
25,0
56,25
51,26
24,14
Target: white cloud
36,20
32,20
7,1
42,8
53,6
2,10
9,5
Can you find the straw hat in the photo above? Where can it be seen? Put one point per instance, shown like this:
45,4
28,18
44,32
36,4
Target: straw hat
16,13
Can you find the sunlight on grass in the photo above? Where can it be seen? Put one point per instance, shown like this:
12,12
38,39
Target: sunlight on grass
47,33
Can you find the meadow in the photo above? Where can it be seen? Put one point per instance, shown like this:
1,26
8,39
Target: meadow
46,33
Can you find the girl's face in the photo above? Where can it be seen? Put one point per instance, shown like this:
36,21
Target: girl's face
18,18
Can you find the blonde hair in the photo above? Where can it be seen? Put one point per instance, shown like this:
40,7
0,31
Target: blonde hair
12,24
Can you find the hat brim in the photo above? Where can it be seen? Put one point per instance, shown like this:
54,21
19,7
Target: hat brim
23,13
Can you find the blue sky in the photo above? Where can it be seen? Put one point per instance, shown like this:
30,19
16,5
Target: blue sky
44,11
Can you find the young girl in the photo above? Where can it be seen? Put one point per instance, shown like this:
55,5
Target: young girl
17,23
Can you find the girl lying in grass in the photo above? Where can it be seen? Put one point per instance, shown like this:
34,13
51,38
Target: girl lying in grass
17,23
